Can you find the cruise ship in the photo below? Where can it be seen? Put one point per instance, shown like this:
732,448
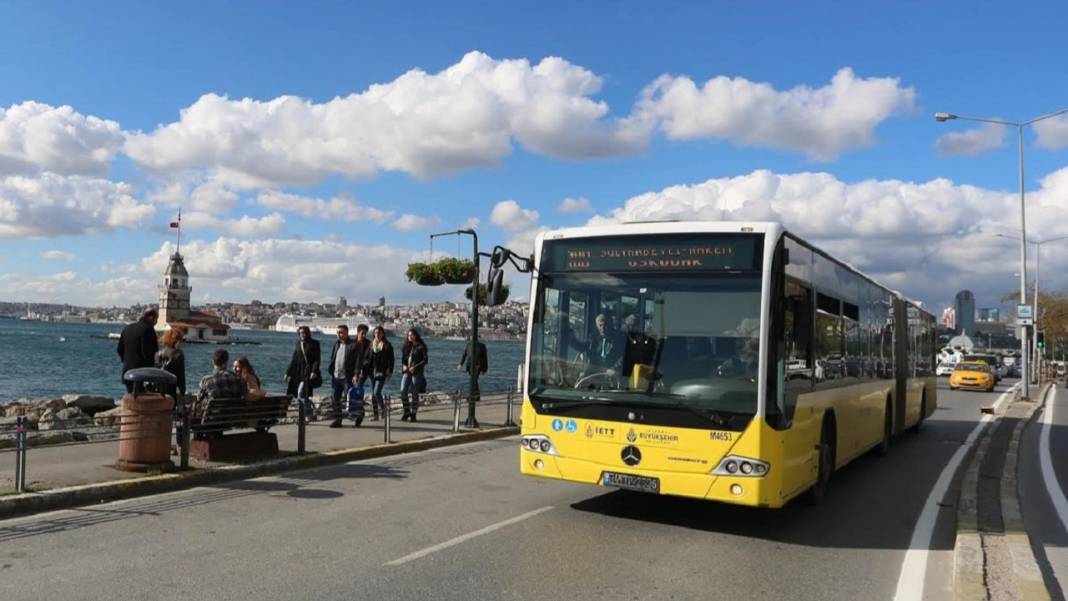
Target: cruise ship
324,325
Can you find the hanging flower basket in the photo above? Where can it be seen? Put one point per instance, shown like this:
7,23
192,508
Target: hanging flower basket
455,271
424,274
482,291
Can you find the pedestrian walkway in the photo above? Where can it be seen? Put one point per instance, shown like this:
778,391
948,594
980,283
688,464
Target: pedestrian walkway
58,466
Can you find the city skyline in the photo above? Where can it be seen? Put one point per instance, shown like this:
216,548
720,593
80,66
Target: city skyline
298,164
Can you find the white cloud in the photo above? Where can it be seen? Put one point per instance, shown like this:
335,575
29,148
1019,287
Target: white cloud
472,223
822,123
929,239
410,223
575,205
1053,132
510,217
335,209
36,137
243,227
57,255
466,116
51,205
974,141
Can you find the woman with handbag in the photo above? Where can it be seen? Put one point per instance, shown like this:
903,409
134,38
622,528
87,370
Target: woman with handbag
304,366
380,365
414,357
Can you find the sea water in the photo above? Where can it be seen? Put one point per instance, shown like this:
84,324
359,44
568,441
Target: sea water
46,360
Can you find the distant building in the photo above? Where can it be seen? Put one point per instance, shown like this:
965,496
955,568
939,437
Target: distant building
949,318
381,301
964,306
994,315
175,310
343,302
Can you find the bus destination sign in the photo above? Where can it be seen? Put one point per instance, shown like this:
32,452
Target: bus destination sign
652,253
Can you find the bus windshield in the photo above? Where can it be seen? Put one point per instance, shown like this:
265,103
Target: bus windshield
657,340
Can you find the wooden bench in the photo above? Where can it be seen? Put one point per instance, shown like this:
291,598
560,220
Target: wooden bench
210,423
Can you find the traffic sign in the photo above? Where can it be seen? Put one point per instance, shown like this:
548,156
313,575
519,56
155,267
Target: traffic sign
1025,315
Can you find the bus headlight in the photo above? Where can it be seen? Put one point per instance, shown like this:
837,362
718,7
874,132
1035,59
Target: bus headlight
538,444
733,465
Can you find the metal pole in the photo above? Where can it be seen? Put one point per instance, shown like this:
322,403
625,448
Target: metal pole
187,424
471,422
386,426
301,419
1023,271
508,409
1034,342
20,453
456,412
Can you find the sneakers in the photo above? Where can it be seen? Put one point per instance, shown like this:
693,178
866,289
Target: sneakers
406,416
356,424
335,424
411,418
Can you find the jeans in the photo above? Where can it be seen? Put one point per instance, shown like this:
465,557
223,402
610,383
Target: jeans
411,384
377,384
341,386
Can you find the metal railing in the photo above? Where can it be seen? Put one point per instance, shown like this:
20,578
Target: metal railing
190,424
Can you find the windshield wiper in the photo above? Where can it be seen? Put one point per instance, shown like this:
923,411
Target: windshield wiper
718,417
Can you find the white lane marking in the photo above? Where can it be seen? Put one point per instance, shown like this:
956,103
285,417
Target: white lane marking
914,568
466,537
1056,495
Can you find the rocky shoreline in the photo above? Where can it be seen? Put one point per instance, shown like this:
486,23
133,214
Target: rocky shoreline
83,417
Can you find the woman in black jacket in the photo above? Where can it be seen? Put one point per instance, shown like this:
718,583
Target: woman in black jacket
380,367
171,359
304,366
414,357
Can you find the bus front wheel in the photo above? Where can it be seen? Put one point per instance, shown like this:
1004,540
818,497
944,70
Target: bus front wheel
818,492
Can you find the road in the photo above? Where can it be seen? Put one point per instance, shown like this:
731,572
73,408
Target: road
460,523
1044,507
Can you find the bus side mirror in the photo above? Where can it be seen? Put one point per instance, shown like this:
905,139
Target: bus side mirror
495,294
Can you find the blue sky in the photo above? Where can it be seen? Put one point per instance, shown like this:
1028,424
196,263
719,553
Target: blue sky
140,64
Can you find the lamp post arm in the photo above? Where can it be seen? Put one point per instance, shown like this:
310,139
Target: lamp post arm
1049,116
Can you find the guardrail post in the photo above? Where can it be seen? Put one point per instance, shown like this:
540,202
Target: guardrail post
301,420
456,412
21,425
386,402
187,434
508,409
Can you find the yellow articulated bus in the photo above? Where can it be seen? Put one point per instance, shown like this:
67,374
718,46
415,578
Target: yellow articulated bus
719,360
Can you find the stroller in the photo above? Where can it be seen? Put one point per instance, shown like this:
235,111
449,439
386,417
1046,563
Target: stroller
354,401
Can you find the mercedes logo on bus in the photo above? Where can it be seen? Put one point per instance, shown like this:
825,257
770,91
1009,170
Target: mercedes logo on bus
631,455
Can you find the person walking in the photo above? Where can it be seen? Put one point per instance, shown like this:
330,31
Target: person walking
380,367
480,364
343,358
304,365
414,357
138,344
171,359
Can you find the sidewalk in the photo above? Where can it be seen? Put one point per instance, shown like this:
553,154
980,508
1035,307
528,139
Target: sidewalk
50,467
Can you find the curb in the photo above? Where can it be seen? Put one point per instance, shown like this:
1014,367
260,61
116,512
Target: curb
88,494
996,563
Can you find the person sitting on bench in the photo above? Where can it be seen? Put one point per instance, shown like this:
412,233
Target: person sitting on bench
220,383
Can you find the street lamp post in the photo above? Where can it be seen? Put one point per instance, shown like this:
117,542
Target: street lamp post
942,117
472,353
1038,265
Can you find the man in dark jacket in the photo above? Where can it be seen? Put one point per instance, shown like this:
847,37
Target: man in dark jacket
343,367
138,344
304,365
480,364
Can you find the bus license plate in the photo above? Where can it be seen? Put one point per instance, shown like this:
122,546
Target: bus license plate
631,482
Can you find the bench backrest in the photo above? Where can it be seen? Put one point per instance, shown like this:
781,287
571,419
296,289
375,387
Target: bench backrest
239,413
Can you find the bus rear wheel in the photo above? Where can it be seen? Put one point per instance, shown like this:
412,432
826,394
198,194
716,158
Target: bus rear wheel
923,414
818,492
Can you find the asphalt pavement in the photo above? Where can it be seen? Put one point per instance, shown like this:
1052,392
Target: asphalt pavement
461,523
1044,513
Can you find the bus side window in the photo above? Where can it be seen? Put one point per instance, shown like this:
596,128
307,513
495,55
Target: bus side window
797,330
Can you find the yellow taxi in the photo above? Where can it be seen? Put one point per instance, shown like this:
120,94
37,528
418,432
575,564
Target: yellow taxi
972,375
